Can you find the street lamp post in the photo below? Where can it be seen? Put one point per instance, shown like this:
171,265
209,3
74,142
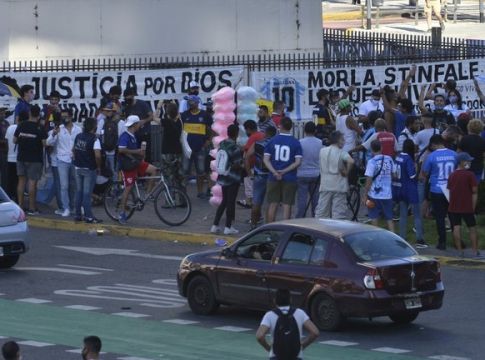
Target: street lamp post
369,14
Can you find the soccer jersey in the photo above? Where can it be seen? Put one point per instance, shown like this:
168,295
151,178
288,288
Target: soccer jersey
439,165
405,172
381,167
197,127
283,149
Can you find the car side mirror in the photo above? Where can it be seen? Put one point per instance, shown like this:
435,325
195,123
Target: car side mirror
228,252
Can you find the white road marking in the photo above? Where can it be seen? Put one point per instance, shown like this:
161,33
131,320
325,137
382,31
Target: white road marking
60,270
85,267
180,322
232,328
447,357
34,301
121,252
130,315
146,295
34,343
338,343
82,307
135,358
165,282
391,350
79,351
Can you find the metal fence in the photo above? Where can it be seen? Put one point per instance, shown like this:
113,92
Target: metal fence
340,49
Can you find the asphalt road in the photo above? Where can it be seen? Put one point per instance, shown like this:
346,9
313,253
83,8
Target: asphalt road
123,289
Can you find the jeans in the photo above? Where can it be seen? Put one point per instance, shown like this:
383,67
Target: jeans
228,204
403,220
307,187
440,209
55,189
85,181
111,164
67,179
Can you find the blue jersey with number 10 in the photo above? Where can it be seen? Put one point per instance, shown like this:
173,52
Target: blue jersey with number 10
439,165
283,149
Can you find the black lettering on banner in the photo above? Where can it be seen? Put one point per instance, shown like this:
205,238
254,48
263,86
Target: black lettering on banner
287,94
148,85
315,81
81,80
425,74
342,78
43,90
222,78
170,84
186,79
312,100
369,78
36,84
158,85
67,88
94,86
131,83
102,83
473,69
119,78
390,75
439,72
212,81
329,79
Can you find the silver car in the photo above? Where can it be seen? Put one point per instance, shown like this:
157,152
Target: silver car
14,237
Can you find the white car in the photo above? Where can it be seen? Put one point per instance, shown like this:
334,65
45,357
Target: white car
14,236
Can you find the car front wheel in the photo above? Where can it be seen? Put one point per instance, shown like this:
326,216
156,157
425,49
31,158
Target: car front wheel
200,295
404,317
325,313
7,262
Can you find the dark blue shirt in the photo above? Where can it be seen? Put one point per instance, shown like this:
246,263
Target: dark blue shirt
283,149
197,126
22,105
406,179
83,150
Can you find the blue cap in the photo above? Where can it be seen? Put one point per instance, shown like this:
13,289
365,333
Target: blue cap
463,156
192,98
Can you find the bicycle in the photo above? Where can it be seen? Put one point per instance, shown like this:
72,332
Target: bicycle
353,197
172,205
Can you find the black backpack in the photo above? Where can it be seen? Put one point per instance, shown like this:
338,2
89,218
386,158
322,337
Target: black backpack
110,135
286,337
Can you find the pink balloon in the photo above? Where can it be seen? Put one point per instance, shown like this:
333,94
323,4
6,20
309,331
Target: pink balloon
214,176
224,117
215,201
225,107
213,165
217,140
220,128
217,190
224,94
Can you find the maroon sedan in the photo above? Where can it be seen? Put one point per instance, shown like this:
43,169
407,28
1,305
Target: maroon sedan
334,269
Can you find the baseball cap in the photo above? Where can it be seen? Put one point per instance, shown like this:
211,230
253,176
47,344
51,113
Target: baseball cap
343,104
132,120
463,156
192,98
194,84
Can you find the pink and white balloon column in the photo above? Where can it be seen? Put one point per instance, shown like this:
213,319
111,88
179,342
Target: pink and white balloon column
224,116
247,109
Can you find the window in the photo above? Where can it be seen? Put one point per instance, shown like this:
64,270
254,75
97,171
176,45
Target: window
298,250
319,252
260,246
378,245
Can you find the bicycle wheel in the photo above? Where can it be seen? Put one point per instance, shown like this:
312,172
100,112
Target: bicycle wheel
353,200
112,200
173,206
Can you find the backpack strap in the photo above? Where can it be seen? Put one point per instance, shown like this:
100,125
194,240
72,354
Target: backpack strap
278,311
291,311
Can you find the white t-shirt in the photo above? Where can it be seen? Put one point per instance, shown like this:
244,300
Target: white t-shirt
270,319
369,105
332,161
405,135
381,186
453,109
12,148
423,136
350,136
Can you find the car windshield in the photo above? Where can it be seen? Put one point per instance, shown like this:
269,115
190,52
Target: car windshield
378,245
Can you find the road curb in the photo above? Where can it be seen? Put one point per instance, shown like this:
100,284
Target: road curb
460,262
120,230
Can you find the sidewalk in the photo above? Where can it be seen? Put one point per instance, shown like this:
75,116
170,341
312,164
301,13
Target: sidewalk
147,225
341,14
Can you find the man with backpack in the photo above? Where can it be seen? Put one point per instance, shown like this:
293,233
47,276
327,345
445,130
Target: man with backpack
108,132
229,165
285,324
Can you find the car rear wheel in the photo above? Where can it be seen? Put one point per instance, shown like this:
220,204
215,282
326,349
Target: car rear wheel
200,295
325,313
404,317
7,262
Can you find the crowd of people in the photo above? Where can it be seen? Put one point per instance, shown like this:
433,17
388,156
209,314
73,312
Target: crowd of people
411,156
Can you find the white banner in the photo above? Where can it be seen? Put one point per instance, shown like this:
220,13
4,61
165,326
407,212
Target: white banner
299,88
82,91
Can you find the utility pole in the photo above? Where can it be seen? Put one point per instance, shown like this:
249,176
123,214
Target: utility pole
369,14
482,11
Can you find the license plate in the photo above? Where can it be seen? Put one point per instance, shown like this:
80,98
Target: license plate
413,303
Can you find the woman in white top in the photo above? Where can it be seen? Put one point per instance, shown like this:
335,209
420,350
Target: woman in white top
456,106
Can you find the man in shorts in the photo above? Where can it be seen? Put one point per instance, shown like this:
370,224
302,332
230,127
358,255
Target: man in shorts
128,146
378,190
30,138
431,6
282,156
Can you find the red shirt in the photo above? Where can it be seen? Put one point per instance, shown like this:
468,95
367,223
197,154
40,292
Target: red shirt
276,119
257,136
460,183
388,142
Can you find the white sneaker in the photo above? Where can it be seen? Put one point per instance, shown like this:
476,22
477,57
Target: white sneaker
59,212
215,229
66,213
231,230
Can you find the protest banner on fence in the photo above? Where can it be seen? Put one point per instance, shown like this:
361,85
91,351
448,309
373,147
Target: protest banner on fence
298,88
82,91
